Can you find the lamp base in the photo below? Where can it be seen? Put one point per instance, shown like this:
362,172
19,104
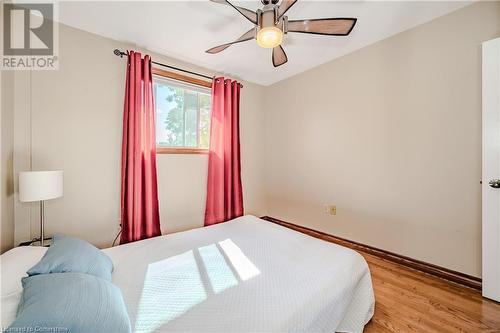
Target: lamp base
41,239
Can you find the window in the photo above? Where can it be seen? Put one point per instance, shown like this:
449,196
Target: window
182,116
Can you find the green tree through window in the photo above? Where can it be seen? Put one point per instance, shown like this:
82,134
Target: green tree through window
183,114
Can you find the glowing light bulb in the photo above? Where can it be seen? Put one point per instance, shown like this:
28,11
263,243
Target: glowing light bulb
269,37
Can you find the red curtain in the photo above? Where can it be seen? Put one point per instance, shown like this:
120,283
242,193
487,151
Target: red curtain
224,192
139,193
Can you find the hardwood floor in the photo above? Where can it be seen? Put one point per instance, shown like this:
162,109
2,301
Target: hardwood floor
411,301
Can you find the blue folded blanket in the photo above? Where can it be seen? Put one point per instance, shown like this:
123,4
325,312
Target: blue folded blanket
70,290
70,302
69,254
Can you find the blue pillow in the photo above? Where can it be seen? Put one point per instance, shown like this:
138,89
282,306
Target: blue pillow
68,254
70,302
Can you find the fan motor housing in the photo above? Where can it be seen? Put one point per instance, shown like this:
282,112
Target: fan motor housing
267,17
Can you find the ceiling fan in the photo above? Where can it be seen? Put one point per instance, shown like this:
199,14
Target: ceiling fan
271,24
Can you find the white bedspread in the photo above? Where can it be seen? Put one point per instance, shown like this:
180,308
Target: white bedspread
246,275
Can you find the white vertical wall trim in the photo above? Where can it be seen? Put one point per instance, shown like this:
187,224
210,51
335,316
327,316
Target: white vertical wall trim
1,160
22,152
491,170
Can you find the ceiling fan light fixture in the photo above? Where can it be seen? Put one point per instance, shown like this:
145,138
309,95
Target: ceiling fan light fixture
269,37
271,23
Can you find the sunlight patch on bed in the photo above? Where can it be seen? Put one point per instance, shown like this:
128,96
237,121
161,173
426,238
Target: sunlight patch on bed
171,287
220,274
245,268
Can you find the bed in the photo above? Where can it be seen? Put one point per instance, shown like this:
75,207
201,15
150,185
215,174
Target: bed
245,275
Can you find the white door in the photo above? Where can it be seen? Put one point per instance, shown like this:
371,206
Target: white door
491,169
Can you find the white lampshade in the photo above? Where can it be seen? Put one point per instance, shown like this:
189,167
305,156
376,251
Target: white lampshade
40,185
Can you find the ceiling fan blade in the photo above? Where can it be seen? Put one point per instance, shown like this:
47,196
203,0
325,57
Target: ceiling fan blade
285,6
329,26
250,34
279,56
249,14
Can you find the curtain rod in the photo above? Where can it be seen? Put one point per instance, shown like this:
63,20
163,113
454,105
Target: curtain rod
121,54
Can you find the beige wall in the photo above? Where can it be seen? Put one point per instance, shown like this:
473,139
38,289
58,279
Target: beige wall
76,126
391,134
7,149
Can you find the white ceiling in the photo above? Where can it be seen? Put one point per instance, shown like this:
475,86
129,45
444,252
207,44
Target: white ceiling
185,29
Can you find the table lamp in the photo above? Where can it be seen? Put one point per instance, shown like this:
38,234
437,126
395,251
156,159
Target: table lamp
40,186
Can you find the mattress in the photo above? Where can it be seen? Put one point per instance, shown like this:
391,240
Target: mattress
245,275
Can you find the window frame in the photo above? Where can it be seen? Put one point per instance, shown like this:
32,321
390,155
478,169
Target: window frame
186,79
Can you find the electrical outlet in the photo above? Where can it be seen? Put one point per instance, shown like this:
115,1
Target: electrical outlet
330,209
